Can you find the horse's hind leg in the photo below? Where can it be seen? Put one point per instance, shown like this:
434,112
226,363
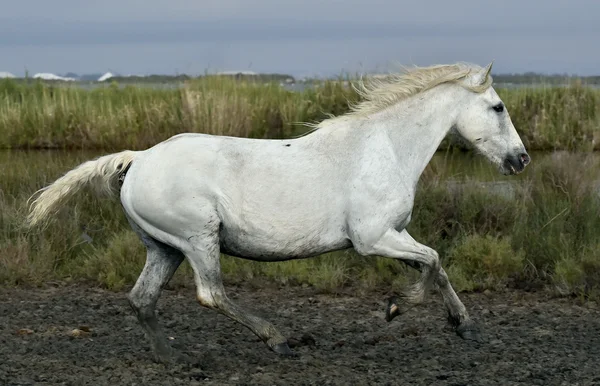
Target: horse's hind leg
457,313
161,263
204,259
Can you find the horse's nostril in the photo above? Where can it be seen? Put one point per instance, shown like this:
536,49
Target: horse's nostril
525,158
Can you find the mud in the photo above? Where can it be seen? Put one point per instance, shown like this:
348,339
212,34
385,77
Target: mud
85,336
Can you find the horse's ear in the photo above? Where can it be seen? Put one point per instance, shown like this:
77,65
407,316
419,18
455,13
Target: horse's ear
482,76
488,69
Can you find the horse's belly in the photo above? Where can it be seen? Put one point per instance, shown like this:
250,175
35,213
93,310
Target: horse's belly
278,246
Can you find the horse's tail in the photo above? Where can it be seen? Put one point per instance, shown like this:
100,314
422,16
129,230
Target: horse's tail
102,174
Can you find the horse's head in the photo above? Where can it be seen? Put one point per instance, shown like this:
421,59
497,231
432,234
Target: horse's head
484,122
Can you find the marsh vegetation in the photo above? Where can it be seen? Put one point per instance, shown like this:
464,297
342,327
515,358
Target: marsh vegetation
541,228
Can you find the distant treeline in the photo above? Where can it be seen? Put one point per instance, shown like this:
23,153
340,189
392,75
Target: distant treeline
531,78
526,78
535,78
182,78
157,79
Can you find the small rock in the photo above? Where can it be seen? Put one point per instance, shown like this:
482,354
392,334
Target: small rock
371,341
76,333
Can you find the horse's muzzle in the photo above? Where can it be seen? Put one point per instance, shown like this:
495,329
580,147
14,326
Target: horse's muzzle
515,163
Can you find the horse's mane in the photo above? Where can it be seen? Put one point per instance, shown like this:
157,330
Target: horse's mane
382,92
379,93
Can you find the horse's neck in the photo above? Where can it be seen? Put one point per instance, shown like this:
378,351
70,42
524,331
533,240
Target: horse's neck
417,126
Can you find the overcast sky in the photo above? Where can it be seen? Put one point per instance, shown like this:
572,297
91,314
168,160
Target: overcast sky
301,37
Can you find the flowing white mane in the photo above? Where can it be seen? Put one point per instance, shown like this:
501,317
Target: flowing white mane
380,93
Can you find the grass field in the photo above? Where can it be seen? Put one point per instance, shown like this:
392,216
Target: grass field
38,115
546,232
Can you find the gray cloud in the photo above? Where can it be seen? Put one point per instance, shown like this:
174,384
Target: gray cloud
58,33
507,12
308,36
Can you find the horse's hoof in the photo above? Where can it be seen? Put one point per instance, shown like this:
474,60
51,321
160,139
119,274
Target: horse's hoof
284,350
468,330
393,309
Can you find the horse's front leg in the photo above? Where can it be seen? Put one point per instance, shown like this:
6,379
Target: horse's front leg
458,316
401,245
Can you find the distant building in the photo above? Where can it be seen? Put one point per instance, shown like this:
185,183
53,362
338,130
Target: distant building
105,77
49,76
6,75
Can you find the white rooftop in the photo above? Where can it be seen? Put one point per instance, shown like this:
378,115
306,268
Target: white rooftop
106,76
49,76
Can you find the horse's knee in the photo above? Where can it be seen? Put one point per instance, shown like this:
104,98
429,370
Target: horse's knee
433,262
442,278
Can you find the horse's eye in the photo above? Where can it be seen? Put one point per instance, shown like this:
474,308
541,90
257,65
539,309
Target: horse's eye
498,108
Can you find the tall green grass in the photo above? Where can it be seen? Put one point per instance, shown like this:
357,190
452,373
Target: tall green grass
545,229
40,115
558,118
539,228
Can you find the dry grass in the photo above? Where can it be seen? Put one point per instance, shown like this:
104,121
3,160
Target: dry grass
38,115
34,116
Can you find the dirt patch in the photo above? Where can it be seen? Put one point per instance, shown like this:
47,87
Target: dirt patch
83,336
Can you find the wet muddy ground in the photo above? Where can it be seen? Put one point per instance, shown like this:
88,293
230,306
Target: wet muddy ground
84,336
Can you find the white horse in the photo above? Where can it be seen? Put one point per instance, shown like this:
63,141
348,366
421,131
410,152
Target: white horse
349,183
